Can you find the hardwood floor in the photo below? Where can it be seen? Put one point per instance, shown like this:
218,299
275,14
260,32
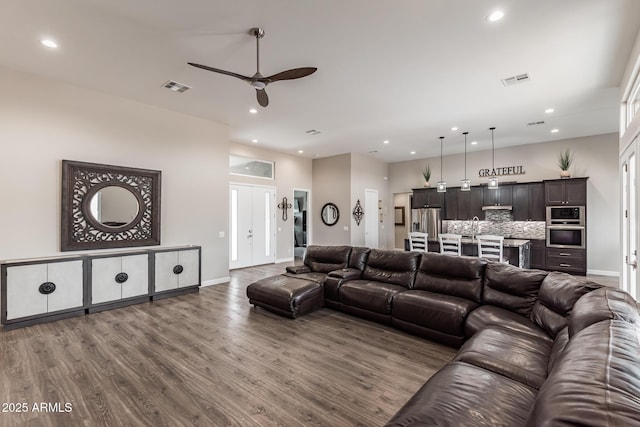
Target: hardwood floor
210,359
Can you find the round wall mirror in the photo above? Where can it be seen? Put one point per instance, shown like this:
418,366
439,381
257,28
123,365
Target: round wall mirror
330,214
114,206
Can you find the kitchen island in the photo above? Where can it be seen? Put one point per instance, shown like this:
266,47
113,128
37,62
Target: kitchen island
517,251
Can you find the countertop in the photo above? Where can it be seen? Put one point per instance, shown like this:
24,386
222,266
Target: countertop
508,243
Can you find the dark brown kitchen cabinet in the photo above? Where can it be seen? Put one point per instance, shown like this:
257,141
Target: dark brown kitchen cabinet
426,198
528,202
502,196
470,204
451,204
537,258
573,261
569,192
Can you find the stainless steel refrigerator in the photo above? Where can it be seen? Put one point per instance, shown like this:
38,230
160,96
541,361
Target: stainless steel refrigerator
427,221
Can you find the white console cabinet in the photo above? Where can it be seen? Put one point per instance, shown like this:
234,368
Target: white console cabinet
42,288
116,278
176,269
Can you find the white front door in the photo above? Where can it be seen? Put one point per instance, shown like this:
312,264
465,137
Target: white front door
371,218
629,181
252,225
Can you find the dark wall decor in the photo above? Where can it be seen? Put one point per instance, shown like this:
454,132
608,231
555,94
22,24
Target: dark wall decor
106,206
358,212
284,206
330,214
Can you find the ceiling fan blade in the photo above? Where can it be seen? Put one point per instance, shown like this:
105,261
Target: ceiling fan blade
263,99
295,73
217,70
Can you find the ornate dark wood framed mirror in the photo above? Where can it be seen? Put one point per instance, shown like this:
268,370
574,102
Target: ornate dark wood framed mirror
105,206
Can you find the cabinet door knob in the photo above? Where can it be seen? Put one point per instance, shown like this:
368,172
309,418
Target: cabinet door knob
121,277
46,288
178,269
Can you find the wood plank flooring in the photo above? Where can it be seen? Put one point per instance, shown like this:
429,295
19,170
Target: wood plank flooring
211,359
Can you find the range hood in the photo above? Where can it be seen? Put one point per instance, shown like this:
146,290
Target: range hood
497,208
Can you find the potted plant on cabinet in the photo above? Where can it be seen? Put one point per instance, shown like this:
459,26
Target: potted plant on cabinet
565,158
426,173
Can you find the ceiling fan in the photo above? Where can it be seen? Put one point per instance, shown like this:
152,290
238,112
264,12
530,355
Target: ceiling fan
258,81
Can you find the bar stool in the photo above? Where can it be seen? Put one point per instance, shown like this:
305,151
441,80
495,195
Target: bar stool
451,244
418,241
491,247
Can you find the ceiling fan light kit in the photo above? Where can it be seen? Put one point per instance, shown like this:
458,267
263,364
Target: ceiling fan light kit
258,81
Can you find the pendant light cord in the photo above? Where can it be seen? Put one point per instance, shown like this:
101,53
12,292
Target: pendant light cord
441,140
465,154
493,153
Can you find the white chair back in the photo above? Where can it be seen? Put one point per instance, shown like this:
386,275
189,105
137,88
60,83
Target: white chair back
490,247
450,244
418,241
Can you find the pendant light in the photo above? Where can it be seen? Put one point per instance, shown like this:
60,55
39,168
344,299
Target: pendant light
441,185
493,181
465,184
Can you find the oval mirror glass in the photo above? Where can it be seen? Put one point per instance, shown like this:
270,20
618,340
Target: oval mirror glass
114,206
330,214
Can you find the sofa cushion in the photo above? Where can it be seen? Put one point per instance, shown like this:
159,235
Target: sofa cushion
358,257
490,315
516,355
558,293
323,259
336,278
370,296
394,267
596,382
442,313
460,276
559,343
602,304
512,288
461,395
311,276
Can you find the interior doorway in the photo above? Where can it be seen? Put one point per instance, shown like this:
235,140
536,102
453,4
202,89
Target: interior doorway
629,182
301,232
252,220
371,218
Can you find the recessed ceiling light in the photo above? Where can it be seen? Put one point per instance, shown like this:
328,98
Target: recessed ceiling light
453,129
474,142
495,16
253,111
49,43
300,151
412,153
555,130
549,110
316,155
254,141
386,141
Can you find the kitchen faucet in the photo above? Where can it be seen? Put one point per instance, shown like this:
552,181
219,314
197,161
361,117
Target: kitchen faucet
474,222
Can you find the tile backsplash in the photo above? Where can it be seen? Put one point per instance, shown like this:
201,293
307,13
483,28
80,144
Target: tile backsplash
498,222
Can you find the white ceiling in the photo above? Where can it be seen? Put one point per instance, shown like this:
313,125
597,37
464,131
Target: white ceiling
404,71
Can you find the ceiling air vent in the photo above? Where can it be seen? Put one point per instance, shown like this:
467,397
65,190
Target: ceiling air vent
313,132
541,122
520,78
176,87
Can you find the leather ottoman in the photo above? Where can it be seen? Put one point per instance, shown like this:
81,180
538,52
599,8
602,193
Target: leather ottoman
286,296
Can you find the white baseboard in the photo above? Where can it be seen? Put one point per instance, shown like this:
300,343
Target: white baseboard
278,261
604,273
215,281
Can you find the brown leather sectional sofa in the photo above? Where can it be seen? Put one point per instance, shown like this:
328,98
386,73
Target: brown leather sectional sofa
536,348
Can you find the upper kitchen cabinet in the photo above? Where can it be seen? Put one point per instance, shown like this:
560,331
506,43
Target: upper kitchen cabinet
470,203
528,202
451,204
427,198
501,196
570,192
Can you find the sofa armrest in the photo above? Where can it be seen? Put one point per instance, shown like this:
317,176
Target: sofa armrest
298,269
346,273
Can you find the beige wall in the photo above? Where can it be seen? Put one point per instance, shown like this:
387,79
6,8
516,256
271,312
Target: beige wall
331,184
368,173
43,122
290,172
595,157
